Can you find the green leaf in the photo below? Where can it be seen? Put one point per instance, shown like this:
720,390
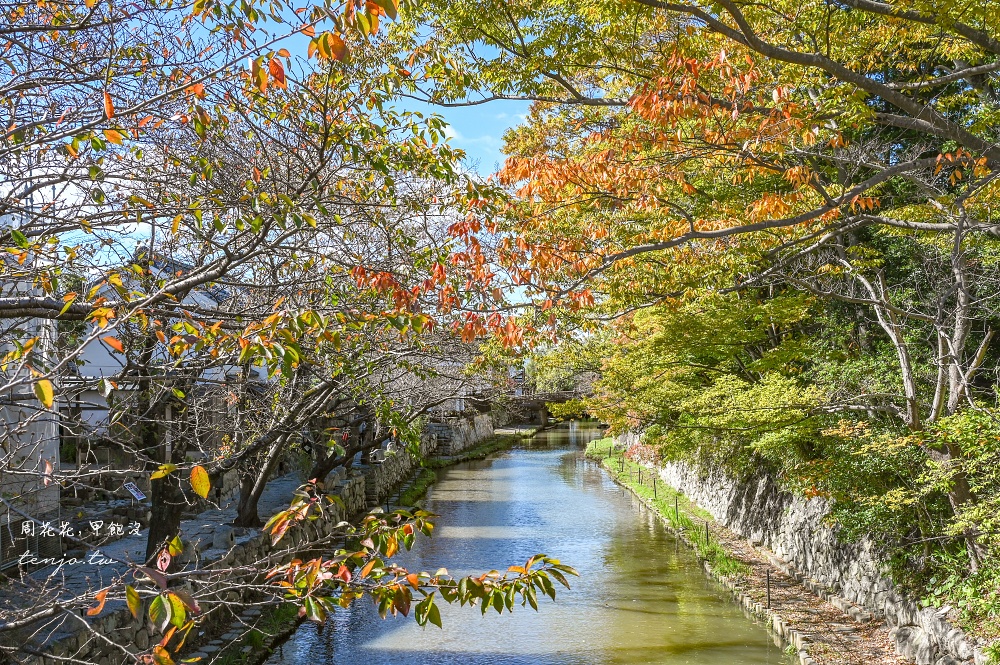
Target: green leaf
20,239
159,613
178,612
434,616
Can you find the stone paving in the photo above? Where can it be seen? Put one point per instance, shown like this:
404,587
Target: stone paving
210,536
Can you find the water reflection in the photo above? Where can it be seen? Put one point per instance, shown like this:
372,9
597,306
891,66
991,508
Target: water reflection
640,598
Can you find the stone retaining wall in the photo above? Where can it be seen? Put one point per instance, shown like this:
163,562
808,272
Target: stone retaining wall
228,547
456,435
794,528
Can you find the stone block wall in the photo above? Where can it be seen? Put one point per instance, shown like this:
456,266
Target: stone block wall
456,435
795,529
231,547
246,549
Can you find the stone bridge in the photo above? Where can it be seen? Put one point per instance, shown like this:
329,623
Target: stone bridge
537,403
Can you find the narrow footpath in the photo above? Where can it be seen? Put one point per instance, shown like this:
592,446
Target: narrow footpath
833,631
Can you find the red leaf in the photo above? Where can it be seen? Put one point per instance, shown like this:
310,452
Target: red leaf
154,575
163,562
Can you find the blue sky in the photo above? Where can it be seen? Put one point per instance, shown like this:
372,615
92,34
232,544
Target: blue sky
478,130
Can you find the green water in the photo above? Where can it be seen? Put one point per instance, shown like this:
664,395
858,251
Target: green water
640,597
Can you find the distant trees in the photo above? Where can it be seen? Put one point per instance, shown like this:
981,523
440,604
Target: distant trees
787,208
215,253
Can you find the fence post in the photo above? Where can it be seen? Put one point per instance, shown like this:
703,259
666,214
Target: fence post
768,588
654,488
706,533
677,516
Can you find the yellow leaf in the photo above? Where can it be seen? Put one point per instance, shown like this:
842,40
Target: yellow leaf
113,135
161,656
133,601
200,482
44,392
163,471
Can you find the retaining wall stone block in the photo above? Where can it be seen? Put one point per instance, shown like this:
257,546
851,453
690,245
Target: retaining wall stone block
796,530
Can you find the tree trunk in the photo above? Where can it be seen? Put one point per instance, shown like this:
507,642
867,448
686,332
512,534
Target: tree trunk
246,509
250,492
958,380
165,521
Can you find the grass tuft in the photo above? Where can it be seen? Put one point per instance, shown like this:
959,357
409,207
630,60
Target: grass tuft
626,472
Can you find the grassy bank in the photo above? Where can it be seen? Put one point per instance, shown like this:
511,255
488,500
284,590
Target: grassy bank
487,447
681,514
275,624
427,476
418,488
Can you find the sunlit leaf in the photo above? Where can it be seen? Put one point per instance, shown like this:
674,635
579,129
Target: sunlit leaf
200,482
44,392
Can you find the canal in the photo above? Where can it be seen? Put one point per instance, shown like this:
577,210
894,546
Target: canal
640,597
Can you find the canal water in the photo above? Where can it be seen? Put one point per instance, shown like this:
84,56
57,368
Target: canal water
640,597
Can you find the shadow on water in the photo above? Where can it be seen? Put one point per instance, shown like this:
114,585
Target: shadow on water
640,597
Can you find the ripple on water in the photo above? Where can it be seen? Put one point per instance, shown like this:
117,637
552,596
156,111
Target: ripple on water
640,598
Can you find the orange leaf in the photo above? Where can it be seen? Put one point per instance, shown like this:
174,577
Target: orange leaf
367,569
277,72
332,46
101,595
200,481
109,107
114,343
309,31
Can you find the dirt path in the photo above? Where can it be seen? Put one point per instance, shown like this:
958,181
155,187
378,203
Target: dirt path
835,637
837,632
